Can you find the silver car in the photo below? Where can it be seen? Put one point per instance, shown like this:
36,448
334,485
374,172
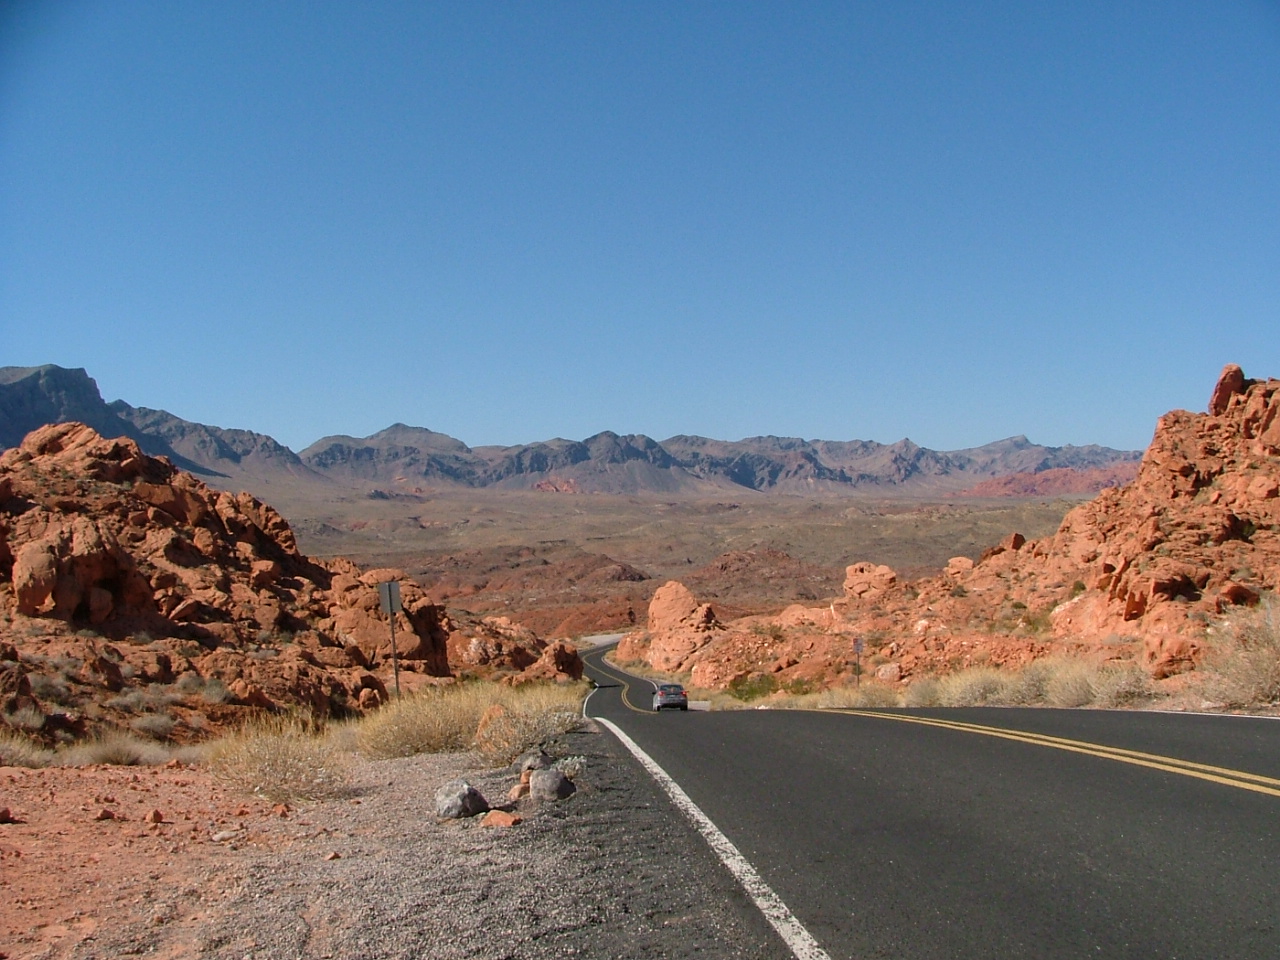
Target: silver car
670,695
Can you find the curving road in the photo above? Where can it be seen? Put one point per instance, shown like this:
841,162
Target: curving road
989,833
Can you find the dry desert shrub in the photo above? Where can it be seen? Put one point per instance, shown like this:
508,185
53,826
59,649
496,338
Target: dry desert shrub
1071,685
1121,685
1051,682
862,695
924,692
975,687
444,719
158,726
117,749
1242,666
511,732
434,720
53,689
26,718
19,751
718,699
282,758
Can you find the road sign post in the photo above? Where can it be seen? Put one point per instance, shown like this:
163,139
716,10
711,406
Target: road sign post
857,661
389,594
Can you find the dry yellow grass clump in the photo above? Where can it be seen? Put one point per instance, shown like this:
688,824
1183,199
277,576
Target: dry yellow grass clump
292,757
1242,666
1052,682
282,758
442,719
19,750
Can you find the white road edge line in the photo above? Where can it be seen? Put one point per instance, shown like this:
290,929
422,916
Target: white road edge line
792,931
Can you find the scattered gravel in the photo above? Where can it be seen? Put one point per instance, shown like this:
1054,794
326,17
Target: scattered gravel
612,872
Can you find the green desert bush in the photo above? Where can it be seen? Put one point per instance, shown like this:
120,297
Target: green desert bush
282,758
753,686
1242,665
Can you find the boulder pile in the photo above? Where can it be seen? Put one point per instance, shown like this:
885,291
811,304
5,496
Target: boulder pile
130,588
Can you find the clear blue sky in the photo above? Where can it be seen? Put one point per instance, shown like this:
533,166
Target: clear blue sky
954,221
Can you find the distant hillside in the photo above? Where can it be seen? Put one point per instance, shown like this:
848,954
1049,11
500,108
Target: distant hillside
792,465
31,397
230,453
1056,482
409,459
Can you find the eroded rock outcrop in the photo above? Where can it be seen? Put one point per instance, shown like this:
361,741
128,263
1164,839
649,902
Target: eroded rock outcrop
1136,574
122,571
678,626
1151,563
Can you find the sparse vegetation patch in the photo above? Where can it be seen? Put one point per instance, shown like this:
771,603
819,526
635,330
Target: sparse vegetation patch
282,758
1242,668
444,719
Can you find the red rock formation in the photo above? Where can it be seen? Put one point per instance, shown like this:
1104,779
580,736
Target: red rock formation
867,580
678,626
1195,533
1139,573
133,572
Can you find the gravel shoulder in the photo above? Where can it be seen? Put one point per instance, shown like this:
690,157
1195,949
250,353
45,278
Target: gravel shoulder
612,872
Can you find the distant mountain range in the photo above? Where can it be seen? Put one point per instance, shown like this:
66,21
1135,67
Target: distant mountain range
412,460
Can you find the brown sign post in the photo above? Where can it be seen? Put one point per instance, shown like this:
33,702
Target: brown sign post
389,594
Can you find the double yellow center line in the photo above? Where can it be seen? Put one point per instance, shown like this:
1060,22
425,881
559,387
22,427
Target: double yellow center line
599,664
1201,771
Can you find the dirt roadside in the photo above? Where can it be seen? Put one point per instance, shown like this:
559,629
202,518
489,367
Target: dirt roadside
612,872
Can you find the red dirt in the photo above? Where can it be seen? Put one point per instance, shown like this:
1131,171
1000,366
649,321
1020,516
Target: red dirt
64,872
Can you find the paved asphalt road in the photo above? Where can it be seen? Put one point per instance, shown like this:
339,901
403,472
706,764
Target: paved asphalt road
888,837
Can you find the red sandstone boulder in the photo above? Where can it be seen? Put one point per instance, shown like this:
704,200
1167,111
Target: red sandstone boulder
559,662
673,607
866,581
1230,384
